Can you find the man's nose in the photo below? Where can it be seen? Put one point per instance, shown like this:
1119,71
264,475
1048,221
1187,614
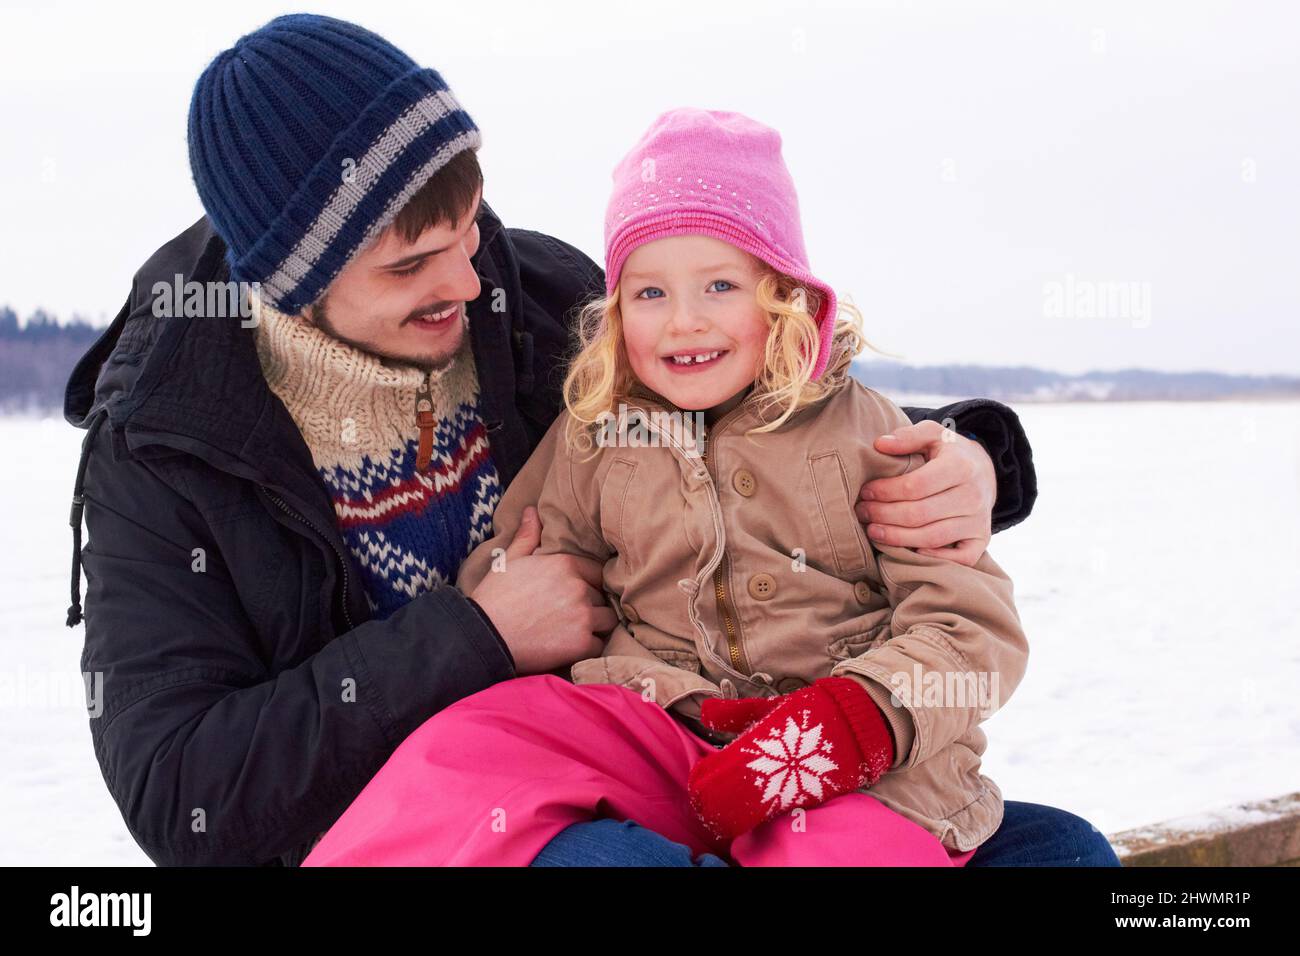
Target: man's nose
458,282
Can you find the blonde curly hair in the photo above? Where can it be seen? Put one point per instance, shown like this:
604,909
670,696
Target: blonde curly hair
600,377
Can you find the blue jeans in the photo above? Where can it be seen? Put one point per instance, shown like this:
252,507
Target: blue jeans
1031,834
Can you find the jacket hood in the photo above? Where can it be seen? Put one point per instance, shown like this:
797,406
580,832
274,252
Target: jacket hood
109,371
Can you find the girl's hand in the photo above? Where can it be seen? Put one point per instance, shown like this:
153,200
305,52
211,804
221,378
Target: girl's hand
945,507
797,750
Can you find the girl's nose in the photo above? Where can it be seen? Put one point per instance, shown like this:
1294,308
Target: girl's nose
684,318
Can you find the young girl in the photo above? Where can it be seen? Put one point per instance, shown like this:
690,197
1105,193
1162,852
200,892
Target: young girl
847,680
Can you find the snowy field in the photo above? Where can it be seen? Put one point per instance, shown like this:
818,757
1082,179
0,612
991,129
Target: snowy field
1158,580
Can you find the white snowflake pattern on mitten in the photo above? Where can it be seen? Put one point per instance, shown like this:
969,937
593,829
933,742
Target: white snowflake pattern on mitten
791,764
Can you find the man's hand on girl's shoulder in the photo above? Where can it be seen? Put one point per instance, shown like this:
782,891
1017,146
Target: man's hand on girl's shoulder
945,507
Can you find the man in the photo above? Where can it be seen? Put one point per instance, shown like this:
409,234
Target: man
276,507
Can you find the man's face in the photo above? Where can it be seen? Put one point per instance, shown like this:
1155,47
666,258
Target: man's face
406,301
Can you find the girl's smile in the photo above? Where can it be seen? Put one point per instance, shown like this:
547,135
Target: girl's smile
688,363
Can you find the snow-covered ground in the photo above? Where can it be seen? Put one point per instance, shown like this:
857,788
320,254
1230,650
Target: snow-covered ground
1158,580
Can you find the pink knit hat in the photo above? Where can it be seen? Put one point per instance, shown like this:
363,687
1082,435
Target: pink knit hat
711,173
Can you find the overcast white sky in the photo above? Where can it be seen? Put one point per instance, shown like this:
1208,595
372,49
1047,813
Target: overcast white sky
953,159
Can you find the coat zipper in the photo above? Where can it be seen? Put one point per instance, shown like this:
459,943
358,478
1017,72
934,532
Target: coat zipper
733,645
343,561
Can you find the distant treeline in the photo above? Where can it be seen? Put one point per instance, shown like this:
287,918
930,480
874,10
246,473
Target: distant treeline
36,358
1028,384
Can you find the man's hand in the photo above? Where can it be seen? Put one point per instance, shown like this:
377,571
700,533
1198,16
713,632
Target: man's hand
945,507
548,607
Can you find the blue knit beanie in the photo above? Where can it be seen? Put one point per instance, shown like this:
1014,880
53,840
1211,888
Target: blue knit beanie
306,138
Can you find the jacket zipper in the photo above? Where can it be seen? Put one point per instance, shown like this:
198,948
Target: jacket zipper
343,561
424,419
733,645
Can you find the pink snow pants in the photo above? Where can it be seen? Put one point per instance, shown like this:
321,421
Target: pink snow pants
493,778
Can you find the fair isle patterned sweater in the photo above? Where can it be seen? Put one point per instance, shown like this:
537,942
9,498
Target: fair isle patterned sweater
409,510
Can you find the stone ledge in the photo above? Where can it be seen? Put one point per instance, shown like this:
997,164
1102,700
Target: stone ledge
1263,833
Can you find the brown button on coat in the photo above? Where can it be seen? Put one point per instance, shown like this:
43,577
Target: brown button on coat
751,575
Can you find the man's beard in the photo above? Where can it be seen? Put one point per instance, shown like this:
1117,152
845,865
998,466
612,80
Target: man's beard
321,319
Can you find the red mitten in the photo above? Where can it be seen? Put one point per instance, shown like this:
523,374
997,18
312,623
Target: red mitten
804,748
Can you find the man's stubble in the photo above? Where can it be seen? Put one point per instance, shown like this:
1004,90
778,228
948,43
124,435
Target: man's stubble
319,316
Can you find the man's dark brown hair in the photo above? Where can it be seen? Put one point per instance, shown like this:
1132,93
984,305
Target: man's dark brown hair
443,199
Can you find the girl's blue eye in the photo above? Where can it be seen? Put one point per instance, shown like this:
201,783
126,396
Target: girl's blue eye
649,289
724,282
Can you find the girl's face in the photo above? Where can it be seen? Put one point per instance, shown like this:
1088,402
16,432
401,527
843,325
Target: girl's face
693,296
